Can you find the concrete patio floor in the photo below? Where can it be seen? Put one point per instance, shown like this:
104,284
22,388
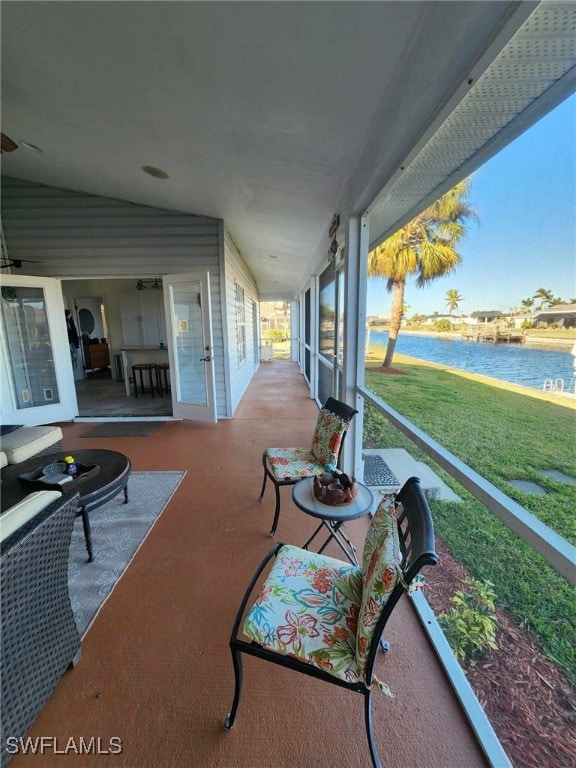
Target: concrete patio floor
156,668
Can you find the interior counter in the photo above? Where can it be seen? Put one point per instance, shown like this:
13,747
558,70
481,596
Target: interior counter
134,355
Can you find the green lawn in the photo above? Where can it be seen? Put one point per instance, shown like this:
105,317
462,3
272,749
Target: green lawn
503,435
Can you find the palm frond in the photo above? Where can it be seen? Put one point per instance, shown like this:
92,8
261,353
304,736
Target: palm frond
436,259
394,259
452,230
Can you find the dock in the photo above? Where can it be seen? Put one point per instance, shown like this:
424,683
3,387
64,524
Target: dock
494,333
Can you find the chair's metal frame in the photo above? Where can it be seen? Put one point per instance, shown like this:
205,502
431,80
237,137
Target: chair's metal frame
416,535
337,407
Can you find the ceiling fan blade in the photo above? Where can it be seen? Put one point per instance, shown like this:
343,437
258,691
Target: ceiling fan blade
7,144
16,263
30,261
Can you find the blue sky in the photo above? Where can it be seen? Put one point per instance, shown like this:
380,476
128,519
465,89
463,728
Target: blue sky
525,236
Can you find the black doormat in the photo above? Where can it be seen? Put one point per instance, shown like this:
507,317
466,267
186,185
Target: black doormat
124,429
377,472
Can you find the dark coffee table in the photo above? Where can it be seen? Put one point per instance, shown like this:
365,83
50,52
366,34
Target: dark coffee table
112,478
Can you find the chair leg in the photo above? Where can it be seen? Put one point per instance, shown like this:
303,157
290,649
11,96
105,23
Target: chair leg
369,730
231,716
277,490
276,511
263,485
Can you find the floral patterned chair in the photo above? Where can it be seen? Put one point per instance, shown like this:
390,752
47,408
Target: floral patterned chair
324,617
285,466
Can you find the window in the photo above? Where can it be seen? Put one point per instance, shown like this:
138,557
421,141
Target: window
240,323
307,333
326,327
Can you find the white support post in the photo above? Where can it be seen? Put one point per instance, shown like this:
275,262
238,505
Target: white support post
314,324
295,331
301,347
357,239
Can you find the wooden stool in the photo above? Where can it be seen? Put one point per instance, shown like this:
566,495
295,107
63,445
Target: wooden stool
141,367
163,369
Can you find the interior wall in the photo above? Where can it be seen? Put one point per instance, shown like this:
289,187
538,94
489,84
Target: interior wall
110,291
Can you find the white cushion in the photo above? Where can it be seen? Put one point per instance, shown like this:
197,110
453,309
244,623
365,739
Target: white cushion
25,510
26,442
3,459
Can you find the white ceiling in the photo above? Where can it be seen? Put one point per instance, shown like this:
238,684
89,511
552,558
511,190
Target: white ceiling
268,115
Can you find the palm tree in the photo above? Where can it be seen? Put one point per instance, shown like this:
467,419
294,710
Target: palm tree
425,247
453,298
527,304
544,297
285,309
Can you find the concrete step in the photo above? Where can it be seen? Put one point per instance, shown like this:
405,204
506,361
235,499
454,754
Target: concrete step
403,466
436,488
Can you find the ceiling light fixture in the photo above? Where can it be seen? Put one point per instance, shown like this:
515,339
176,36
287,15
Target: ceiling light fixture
334,224
157,173
334,245
153,282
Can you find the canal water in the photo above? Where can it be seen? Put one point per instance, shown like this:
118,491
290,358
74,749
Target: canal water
515,363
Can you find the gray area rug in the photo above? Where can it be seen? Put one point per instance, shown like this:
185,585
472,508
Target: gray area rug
118,531
124,429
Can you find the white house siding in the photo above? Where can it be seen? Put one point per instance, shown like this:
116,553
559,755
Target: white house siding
75,235
240,371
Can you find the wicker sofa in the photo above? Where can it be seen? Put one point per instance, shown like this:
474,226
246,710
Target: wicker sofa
19,443
39,638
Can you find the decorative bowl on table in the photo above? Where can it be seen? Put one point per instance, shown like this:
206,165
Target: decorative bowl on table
335,489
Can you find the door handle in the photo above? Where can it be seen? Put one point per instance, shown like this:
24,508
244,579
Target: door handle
206,359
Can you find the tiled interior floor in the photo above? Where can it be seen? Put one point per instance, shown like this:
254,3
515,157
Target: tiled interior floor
102,397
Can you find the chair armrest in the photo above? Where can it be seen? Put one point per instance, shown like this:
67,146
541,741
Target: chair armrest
24,511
